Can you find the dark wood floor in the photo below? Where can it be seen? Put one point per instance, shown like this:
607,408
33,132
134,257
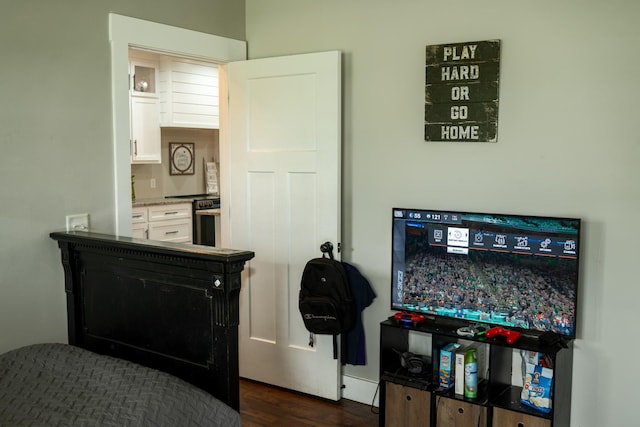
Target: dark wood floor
263,405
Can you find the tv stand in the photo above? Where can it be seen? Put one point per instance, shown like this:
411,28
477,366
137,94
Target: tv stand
408,400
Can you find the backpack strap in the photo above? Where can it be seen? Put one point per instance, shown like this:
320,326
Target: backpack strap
335,345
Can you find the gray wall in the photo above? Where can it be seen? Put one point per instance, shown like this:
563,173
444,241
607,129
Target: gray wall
567,145
56,139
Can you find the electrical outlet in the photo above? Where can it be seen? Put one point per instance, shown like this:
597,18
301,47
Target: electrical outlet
78,222
152,182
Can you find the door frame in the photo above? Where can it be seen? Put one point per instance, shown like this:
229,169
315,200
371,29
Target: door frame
126,32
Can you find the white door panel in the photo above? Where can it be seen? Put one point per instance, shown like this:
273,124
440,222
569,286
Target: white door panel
284,195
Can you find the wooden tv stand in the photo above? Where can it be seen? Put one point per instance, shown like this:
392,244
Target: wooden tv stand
411,400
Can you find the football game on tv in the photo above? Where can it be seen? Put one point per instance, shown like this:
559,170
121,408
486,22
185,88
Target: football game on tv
514,271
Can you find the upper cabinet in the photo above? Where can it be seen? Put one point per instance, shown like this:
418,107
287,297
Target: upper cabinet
188,92
144,107
145,130
166,91
143,78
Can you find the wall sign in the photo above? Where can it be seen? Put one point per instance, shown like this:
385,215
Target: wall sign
461,92
182,156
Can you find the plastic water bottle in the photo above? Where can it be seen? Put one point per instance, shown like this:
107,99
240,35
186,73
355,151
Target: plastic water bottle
471,373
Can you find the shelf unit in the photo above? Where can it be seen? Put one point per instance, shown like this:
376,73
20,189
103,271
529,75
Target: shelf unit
498,402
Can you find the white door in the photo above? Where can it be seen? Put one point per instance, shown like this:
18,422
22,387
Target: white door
283,143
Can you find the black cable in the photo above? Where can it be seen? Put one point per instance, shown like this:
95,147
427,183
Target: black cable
373,408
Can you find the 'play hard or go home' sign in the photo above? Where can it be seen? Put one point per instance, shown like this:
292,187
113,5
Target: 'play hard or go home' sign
461,92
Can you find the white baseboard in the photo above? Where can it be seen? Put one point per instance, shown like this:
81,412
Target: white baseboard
360,390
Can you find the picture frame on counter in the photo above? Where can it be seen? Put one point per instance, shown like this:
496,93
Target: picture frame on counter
182,158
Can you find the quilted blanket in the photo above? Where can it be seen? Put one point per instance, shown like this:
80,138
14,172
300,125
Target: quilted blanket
63,385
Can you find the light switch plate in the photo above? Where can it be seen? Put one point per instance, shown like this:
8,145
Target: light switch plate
78,222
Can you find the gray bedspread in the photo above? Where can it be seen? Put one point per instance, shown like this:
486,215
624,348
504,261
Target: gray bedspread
63,385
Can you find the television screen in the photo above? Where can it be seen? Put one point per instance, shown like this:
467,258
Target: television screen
515,271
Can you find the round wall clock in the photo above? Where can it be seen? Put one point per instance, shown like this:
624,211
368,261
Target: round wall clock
182,156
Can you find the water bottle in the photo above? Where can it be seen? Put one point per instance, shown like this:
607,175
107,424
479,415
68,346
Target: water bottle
471,373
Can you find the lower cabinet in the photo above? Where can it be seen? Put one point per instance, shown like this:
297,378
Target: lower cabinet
457,413
506,418
166,223
176,230
407,406
139,223
140,231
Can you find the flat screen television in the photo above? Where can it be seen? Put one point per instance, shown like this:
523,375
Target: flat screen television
516,271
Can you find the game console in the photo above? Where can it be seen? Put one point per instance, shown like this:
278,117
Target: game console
511,336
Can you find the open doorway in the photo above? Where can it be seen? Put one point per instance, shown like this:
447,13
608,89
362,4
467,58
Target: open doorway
126,32
174,100
302,151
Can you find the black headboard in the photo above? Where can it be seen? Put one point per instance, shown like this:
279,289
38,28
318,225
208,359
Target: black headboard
170,306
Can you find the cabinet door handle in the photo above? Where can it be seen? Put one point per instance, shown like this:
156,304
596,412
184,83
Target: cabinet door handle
135,147
138,216
171,213
171,232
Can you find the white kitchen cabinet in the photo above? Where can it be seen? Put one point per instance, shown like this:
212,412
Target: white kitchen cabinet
143,70
145,130
140,231
176,230
169,211
188,92
139,223
163,222
145,108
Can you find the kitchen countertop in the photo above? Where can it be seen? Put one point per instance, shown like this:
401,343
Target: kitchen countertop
209,212
158,201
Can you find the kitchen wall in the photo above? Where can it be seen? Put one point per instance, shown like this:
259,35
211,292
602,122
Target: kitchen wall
207,149
57,140
567,145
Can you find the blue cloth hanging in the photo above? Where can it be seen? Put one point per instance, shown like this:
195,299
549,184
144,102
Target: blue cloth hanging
363,295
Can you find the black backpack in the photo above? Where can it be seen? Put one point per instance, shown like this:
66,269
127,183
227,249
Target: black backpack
325,299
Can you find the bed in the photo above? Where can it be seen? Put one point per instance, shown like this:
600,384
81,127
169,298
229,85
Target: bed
152,331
